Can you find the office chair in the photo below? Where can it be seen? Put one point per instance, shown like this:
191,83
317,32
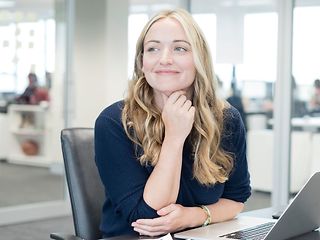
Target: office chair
85,188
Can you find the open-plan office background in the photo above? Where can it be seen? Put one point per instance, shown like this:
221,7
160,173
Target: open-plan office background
82,53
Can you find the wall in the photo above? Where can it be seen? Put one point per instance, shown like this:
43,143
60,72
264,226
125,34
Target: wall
99,62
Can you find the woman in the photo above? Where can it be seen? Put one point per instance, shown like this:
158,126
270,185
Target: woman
28,96
315,99
171,155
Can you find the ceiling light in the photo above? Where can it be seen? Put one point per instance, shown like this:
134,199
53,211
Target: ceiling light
6,3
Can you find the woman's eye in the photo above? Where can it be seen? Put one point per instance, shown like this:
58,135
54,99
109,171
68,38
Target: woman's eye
181,49
152,49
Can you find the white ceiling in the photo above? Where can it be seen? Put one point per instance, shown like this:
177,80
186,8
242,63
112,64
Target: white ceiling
25,10
31,10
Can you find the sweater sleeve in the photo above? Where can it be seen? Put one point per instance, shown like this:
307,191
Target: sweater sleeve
120,171
237,187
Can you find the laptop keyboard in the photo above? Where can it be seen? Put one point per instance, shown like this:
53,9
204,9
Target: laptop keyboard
254,233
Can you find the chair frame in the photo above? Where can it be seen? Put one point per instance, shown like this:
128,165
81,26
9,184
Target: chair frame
85,188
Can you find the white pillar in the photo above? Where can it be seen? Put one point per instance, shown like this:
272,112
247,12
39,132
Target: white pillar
282,106
116,64
99,58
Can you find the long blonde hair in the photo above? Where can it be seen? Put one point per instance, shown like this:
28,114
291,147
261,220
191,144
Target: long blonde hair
142,120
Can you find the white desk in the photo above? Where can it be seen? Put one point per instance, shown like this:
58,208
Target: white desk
265,213
4,133
307,123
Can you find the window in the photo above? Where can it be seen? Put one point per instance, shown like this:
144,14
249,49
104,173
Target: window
136,23
207,23
25,47
260,48
306,47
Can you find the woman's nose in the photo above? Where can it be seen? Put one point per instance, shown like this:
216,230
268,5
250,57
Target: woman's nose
166,57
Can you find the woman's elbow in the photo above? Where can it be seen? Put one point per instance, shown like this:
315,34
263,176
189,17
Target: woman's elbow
240,207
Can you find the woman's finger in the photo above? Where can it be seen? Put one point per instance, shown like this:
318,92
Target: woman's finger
174,96
148,228
151,222
187,105
147,233
181,100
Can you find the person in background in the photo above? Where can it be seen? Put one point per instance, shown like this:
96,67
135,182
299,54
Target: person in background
315,99
299,107
28,96
220,91
236,101
33,94
172,155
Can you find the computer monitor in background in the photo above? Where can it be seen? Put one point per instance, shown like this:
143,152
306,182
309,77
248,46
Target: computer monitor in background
257,89
270,90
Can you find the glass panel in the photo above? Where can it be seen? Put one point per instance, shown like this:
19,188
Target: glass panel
243,40
135,24
306,94
30,170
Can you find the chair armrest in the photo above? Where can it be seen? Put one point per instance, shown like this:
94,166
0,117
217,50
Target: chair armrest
64,236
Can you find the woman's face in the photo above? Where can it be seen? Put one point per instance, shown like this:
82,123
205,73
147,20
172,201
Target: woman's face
167,59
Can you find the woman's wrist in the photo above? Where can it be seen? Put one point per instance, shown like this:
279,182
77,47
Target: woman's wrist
174,141
197,217
208,213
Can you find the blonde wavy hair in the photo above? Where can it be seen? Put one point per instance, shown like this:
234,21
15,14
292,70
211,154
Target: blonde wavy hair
142,119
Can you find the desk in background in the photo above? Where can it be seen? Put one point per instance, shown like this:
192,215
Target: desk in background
307,123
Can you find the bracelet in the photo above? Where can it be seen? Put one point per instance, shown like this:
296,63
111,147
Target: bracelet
208,219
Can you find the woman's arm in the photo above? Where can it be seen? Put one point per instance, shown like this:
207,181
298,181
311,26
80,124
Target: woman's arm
176,217
162,187
224,209
236,191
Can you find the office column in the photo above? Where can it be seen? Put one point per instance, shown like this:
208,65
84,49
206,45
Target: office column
282,106
97,58
116,50
87,81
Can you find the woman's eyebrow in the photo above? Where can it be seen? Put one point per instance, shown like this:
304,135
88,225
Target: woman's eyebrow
182,41
175,41
152,41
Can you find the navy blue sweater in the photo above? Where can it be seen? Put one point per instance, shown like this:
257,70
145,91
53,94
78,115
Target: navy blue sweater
124,178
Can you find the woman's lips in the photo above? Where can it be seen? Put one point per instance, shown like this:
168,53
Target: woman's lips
165,72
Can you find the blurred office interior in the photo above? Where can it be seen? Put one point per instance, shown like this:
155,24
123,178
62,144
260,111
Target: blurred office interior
82,53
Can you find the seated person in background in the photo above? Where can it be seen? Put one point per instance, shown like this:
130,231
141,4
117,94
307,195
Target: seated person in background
171,155
299,108
33,94
236,101
315,100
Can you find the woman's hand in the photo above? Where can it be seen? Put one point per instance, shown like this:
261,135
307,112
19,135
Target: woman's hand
173,218
177,115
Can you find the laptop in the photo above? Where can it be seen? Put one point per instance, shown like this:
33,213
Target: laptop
301,216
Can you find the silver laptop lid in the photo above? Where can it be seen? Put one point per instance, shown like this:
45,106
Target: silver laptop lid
302,215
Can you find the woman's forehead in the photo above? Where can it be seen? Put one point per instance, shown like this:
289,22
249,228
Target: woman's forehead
166,29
